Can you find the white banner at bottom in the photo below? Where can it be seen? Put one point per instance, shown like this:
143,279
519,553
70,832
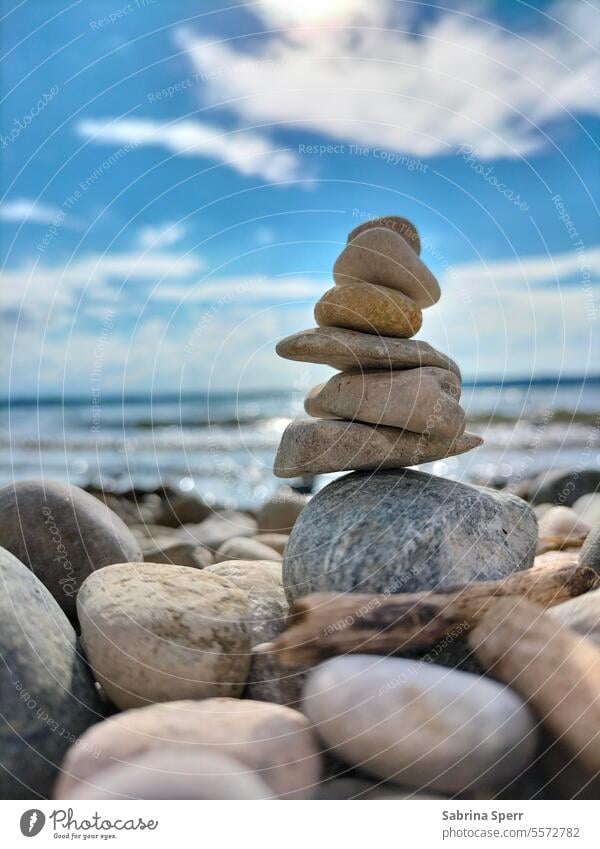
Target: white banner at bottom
302,825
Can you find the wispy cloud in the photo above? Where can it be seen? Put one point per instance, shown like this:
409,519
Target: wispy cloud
161,236
33,291
530,270
246,151
30,212
424,88
239,290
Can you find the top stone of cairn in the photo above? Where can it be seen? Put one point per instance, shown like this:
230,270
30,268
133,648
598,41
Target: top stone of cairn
396,402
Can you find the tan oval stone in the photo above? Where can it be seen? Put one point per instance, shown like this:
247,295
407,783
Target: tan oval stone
370,309
379,255
154,632
274,741
420,400
280,511
349,349
275,541
402,226
244,548
330,445
581,614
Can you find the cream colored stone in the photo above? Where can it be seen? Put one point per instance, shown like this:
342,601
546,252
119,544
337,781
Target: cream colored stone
274,741
380,255
243,548
420,400
581,614
561,527
420,724
349,349
320,446
170,773
402,226
280,511
155,632
275,541
370,309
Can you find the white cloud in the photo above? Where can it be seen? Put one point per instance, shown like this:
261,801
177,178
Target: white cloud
237,290
31,212
523,271
161,236
33,291
457,79
248,152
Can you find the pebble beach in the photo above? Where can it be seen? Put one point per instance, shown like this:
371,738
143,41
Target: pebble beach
395,595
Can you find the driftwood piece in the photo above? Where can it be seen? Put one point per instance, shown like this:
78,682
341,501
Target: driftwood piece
555,670
323,625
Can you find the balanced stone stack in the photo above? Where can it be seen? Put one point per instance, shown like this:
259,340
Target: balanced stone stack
395,401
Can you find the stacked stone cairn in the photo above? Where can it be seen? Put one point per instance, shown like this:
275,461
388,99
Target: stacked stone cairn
395,401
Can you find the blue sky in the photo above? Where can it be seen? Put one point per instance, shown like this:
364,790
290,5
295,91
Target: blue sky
177,185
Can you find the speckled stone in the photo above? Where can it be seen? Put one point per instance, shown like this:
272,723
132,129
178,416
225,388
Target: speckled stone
276,742
370,309
590,552
420,400
154,632
349,349
47,696
404,531
63,534
268,680
317,446
419,724
382,256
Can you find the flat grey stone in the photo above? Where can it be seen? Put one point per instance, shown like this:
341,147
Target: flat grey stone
47,696
350,349
63,534
590,552
318,446
405,531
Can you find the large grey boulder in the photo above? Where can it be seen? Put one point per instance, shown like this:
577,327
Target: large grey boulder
47,697
403,531
63,534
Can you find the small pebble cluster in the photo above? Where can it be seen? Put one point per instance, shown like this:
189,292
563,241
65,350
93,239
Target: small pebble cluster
395,402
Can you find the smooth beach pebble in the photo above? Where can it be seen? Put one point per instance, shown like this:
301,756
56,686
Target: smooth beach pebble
63,534
242,548
155,632
176,551
313,447
173,773
280,511
590,552
370,309
419,724
268,680
562,522
581,614
402,226
404,531
273,540
380,255
273,741
47,695
349,349
218,528
420,400
588,508
560,486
